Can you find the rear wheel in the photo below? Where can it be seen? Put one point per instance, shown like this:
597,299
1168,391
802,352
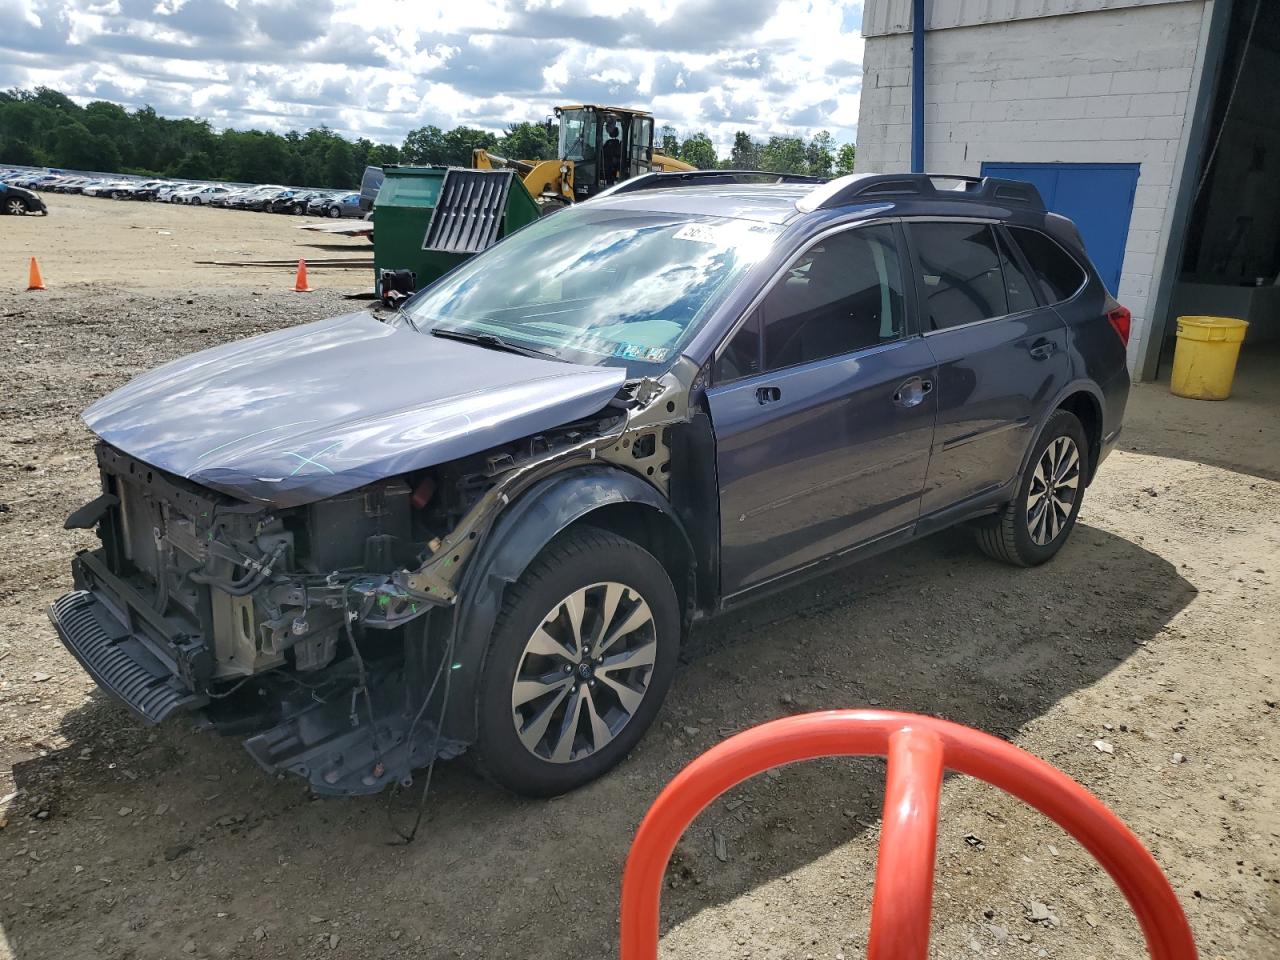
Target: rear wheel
1037,522
579,662
15,206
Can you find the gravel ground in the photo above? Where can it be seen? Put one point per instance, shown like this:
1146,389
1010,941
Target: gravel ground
1152,633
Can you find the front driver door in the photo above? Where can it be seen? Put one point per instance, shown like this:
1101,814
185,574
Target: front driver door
823,408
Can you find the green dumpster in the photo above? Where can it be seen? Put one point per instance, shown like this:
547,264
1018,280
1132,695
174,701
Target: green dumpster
430,219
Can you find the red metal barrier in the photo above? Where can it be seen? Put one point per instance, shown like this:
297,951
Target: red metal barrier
918,748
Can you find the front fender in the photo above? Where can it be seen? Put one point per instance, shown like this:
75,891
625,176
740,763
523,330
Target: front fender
519,534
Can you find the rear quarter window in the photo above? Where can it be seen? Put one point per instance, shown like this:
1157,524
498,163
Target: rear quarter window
1056,271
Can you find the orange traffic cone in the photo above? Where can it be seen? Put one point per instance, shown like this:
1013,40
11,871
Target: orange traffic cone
299,284
34,280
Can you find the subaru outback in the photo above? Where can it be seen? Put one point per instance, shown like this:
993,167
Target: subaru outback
485,522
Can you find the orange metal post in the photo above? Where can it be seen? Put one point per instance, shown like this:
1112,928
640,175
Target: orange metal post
918,747
903,899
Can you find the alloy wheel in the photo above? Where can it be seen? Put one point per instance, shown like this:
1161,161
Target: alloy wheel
15,207
584,672
1054,488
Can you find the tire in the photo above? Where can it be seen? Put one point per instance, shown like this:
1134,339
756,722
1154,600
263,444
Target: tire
15,206
196,201
334,212
1034,526
595,565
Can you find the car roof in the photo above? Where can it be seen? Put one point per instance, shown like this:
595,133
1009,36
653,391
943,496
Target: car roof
766,203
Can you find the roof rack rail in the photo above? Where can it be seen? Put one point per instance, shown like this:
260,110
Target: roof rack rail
865,187
702,178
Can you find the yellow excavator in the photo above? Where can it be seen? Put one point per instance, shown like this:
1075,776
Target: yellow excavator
599,146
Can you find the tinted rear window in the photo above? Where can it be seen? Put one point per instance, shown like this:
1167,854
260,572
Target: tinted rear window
960,269
1056,271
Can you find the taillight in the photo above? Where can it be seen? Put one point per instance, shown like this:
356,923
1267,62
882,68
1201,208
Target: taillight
1120,319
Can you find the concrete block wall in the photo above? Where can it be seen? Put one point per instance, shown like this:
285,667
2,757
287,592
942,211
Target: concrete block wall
1110,86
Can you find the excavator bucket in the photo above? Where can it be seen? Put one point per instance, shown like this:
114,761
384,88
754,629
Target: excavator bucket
430,219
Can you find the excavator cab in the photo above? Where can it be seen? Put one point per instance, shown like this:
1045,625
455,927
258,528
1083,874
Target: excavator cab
608,145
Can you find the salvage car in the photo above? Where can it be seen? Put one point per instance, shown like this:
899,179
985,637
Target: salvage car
19,200
342,205
485,522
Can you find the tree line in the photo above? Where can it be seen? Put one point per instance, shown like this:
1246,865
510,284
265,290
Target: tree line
44,127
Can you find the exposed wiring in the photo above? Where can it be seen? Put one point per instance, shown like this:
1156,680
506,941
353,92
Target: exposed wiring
362,673
445,668
227,693
1235,86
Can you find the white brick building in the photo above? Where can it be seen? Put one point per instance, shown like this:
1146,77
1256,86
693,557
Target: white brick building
1123,94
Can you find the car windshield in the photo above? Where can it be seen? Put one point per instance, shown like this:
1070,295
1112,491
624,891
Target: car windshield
601,287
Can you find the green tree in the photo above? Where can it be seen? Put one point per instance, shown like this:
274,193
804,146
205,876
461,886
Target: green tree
19,152
845,157
818,154
339,164
383,154
669,140
745,152
528,141
194,166
784,155
699,151
424,146
75,147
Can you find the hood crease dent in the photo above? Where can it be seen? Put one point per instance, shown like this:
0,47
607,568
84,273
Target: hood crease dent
301,414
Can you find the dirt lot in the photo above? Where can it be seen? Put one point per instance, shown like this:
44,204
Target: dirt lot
1153,632
155,246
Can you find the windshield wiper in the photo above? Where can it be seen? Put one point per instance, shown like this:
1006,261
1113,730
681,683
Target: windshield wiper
493,342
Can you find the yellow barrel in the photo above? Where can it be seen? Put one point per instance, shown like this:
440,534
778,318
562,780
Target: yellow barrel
1204,361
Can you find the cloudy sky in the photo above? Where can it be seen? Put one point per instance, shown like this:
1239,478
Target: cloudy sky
378,68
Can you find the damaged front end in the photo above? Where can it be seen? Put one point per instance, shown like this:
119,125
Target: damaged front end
323,632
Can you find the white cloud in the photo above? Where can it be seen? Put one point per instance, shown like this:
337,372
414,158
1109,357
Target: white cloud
379,68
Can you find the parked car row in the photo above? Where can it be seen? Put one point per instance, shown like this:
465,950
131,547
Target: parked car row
271,198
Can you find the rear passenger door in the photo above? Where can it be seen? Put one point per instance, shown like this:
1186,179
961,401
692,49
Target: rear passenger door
1002,356
823,407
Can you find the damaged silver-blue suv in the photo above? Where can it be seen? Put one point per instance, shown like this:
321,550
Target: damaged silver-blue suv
484,523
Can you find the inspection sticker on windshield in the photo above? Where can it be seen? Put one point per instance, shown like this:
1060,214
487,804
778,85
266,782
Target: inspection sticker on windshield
638,351
698,232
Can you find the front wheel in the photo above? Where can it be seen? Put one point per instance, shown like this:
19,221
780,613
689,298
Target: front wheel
579,662
1037,522
335,212
16,206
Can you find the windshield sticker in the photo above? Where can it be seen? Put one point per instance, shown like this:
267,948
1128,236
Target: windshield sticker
638,351
596,346
698,232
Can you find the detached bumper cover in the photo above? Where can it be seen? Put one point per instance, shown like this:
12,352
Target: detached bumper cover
117,660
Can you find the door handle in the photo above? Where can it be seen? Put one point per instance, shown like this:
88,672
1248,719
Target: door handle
912,392
768,394
1043,350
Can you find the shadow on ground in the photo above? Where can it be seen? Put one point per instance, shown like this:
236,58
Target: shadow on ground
160,841
1241,434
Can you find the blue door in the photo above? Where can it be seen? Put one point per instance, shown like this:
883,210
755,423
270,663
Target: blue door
1097,196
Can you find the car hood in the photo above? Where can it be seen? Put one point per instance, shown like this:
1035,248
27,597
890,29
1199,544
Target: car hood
301,414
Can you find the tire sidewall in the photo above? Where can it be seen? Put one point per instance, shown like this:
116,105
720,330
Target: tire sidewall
504,756
1060,424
